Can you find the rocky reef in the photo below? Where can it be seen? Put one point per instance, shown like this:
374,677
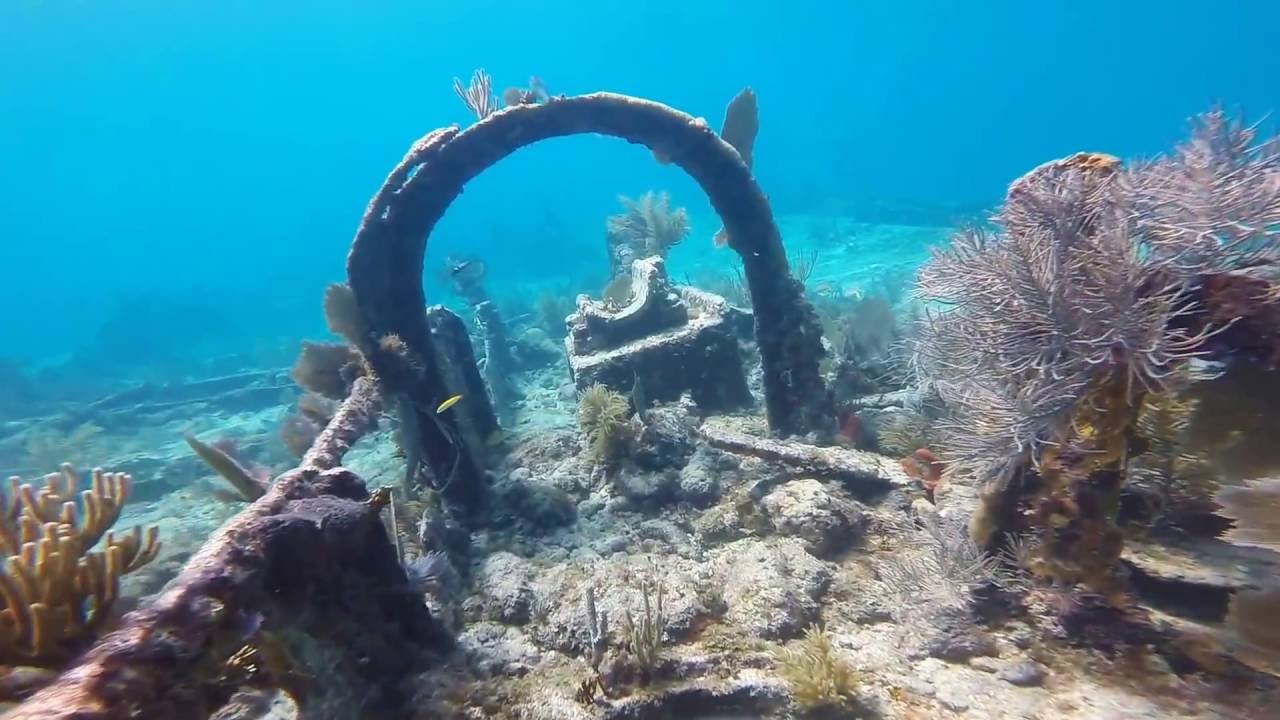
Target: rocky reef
1012,504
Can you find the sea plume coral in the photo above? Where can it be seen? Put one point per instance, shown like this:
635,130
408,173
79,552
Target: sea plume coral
478,94
1214,205
1095,288
649,224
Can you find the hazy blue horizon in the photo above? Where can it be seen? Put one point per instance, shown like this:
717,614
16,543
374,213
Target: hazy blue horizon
223,153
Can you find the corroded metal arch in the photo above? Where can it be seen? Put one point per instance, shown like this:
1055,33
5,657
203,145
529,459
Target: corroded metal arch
386,261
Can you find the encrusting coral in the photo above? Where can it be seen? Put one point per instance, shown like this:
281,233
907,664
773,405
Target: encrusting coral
57,589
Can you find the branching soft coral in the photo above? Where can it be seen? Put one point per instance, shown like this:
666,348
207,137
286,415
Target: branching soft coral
1091,291
1088,267
55,588
650,222
1173,476
818,677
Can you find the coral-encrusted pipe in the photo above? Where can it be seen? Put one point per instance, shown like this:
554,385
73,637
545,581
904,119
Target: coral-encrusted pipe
310,556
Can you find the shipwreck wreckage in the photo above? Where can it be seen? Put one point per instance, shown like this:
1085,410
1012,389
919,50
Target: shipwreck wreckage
311,560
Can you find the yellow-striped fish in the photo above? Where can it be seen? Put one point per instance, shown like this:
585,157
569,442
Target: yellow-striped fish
448,404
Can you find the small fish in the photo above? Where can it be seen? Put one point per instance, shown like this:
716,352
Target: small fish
466,269
924,466
448,404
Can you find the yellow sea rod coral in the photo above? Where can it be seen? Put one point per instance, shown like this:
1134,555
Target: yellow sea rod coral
55,588
817,675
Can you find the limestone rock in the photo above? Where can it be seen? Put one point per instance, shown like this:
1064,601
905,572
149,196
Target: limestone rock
700,478
822,517
504,581
617,580
736,519
771,587
496,649
1023,674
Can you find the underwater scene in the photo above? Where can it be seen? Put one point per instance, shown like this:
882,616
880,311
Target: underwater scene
609,360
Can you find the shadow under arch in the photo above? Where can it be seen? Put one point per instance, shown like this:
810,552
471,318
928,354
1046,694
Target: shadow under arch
385,265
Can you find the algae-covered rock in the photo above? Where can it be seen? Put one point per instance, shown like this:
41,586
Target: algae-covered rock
505,584
702,478
561,594
666,440
953,636
259,705
771,587
824,518
495,649
652,488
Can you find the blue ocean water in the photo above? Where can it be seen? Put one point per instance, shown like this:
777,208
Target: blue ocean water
191,173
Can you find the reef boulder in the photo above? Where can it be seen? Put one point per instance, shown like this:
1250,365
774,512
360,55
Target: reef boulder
771,587
505,584
825,519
